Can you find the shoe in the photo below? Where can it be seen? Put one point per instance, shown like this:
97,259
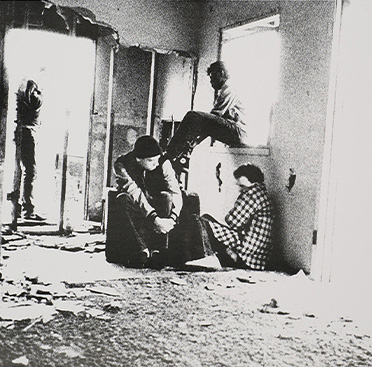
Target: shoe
181,164
140,260
208,262
156,260
33,216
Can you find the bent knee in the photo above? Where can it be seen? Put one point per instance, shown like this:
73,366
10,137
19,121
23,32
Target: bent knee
166,195
124,198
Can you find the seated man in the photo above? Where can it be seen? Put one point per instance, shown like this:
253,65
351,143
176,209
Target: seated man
149,202
224,123
246,240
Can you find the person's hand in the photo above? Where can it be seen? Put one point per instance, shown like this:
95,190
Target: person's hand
163,225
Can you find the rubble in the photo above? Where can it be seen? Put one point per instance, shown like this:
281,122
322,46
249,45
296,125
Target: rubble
30,298
178,281
219,305
23,361
104,290
273,308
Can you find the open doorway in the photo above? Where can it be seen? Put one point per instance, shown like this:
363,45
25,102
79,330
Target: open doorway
63,68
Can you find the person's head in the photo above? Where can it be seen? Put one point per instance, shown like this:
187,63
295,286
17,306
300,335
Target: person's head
147,152
32,90
247,175
218,74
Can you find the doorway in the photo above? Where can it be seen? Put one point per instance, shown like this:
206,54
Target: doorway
63,67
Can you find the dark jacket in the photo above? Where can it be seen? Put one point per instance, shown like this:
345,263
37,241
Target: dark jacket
29,102
144,185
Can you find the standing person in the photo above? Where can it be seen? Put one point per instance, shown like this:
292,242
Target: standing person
29,102
225,122
245,241
148,204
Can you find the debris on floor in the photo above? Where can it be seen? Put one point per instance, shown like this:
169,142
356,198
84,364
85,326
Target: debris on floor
28,297
23,361
62,302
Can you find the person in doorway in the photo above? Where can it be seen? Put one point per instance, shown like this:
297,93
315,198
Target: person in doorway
29,102
245,242
150,202
225,122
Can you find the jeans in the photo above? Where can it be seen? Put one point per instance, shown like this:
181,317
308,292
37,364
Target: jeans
196,126
128,230
219,248
29,169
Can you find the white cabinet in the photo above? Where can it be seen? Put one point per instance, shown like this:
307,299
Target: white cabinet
211,174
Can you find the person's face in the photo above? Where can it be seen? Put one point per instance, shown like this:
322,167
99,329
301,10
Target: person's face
149,164
34,92
217,79
243,183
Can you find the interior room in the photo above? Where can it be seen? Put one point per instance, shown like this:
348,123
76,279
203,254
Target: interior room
111,72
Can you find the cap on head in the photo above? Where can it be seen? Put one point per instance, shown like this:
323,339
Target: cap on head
218,66
146,147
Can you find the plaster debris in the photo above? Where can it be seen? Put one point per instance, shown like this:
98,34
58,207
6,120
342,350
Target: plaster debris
178,281
246,279
273,308
206,323
104,290
23,361
113,307
94,312
69,306
70,352
25,312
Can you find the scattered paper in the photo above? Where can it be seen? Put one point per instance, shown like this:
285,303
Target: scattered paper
21,360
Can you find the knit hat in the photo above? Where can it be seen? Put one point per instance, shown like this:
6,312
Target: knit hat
146,146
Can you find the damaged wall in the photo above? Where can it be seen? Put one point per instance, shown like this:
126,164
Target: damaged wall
299,115
165,24
298,119
132,74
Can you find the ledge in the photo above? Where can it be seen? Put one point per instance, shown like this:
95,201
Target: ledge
244,150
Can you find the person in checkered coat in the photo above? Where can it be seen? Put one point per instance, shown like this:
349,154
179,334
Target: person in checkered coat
245,242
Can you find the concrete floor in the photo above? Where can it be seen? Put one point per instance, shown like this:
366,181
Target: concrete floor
79,261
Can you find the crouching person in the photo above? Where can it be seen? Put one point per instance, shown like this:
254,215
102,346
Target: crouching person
245,242
148,204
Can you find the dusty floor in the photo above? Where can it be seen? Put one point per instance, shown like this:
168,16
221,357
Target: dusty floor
64,305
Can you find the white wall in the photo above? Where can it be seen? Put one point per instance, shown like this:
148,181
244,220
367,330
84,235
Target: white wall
299,116
298,121
164,24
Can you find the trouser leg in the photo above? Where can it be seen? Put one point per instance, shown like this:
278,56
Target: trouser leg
195,127
163,204
135,228
219,248
29,166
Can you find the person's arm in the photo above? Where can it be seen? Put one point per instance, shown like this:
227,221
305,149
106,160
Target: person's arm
173,188
223,102
129,186
245,206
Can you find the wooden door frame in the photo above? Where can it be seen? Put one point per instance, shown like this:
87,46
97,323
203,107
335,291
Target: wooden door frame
321,266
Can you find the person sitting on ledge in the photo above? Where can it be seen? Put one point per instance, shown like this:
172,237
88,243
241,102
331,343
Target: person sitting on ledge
245,242
225,122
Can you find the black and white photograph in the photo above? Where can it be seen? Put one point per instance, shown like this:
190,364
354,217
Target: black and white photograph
185,183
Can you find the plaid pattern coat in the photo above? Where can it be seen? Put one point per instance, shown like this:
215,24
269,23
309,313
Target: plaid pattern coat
248,233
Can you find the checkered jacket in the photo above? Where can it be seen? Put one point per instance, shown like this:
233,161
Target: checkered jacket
248,233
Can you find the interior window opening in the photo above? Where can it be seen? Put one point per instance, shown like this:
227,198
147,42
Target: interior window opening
251,52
